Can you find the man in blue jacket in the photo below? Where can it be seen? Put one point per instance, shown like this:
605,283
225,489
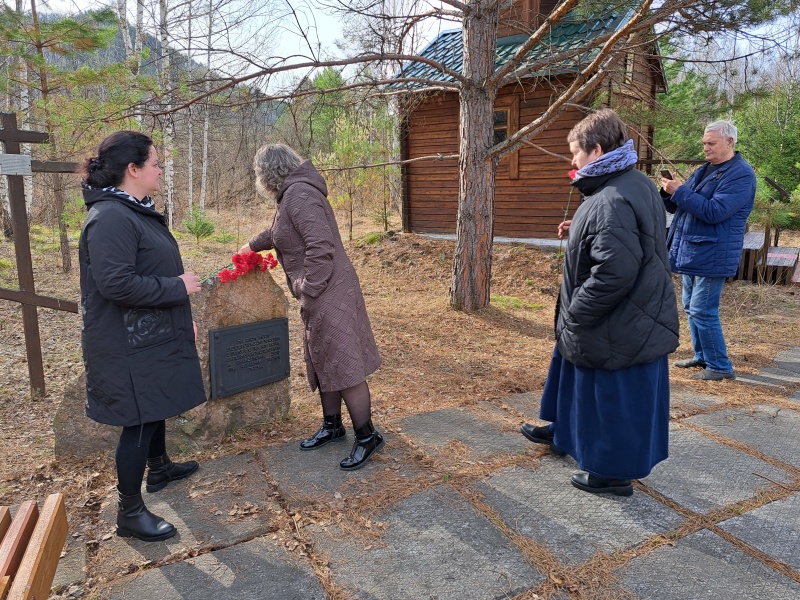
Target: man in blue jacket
705,242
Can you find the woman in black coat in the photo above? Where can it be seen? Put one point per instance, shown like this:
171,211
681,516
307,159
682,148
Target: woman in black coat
607,390
138,336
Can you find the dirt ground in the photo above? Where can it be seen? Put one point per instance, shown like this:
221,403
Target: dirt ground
433,357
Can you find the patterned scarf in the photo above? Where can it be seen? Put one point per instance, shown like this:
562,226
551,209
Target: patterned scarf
147,201
610,162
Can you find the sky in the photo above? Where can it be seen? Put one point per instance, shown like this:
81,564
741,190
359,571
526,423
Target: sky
323,29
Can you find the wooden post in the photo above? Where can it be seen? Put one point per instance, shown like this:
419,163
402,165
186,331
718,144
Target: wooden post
11,137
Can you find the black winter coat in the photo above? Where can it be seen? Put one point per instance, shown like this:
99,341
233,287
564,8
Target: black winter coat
138,340
617,303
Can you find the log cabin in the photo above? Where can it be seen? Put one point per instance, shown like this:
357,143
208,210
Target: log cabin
532,193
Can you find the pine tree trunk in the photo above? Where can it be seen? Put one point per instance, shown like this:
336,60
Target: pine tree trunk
472,261
58,185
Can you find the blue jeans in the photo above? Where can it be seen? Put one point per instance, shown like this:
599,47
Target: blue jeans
701,303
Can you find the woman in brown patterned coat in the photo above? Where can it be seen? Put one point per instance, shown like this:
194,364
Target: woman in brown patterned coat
339,348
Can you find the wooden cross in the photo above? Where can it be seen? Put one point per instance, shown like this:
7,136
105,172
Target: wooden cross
11,137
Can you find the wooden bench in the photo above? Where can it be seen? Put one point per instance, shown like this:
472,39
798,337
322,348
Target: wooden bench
31,546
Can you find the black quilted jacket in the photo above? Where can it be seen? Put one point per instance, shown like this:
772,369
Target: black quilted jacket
138,340
617,303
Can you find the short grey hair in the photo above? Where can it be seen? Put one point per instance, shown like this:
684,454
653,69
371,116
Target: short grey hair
725,128
273,163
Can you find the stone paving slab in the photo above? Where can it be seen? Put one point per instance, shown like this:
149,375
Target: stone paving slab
788,359
704,475
483,436
682,395
436,546
72,564
773,528
771,430
771,376
256,570
759,380
540,503
703,566
226,502
313,476
527,404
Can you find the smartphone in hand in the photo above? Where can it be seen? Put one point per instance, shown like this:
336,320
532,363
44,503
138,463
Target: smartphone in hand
665,173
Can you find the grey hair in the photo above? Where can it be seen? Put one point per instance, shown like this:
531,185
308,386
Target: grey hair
273,163
725,128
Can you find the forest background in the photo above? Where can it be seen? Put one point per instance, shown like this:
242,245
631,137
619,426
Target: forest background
212,80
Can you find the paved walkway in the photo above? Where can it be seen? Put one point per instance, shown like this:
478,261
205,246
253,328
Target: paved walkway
460,505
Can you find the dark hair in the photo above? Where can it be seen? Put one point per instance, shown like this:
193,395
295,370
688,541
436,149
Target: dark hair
603,128
114,154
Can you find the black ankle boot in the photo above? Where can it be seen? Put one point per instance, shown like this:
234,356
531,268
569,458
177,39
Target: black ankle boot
368,442
331,430
134,520
161,470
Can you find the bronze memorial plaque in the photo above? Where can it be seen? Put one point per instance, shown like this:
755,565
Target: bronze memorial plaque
247,356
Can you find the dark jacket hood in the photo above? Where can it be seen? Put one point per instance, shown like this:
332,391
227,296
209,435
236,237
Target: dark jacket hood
305,173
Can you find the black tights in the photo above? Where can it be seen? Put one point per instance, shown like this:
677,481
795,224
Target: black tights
137,444
357,400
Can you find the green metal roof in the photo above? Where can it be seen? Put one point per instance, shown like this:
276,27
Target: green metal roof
570,33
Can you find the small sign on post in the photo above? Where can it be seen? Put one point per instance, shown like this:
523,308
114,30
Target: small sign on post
15,164
248,356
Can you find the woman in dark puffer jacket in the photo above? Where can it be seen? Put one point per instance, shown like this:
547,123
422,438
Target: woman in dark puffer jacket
607,391
138,337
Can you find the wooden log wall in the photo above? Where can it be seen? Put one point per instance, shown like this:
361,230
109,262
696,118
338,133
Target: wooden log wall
531,206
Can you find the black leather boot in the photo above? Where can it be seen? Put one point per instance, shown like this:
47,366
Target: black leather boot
368,442
134,520
161,470
331,430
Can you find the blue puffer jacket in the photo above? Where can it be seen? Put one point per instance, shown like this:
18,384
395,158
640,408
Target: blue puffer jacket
707,232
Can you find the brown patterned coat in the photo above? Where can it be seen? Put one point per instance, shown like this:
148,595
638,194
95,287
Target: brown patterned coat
339,347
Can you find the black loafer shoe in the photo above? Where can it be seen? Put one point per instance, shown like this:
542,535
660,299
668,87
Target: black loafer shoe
690,363
541,435
600,485
708,375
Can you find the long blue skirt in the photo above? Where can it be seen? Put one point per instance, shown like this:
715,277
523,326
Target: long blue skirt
613,423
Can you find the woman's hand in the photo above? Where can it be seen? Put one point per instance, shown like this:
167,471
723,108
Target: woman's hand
563,228
245,249
192,282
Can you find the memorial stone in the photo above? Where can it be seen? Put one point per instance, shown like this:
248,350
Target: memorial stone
252,299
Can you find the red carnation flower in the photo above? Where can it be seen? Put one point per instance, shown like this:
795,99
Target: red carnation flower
227,275
243,263
573,173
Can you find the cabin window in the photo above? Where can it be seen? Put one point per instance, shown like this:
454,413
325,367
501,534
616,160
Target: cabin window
500,126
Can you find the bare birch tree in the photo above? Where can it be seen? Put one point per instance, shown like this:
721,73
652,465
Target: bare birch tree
167,157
